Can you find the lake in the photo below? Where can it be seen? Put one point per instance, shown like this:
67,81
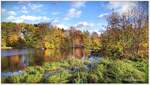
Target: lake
15,60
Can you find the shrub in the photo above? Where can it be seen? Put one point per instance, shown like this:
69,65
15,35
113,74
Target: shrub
75,62
133,76
140,65
142,68
52,66
105,61
99,71
15,78
79,77
61,77
111,51
34,70
65,64
34,74
86,62
120,71
33,78
93,78
3,79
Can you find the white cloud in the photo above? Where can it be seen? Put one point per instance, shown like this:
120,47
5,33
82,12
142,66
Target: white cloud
72,13
30,7
24,10
24,18
55,21
122,6
11,13
11,18
84,24
3,10
18,20
30,18
103,15
35,6
78,4
45,18
66,18
55,13
7,13
62,26
14,19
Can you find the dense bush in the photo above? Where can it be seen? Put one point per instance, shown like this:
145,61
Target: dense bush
120,71
79,77
33,78
61,77
15,78
93,78
75,62
52,66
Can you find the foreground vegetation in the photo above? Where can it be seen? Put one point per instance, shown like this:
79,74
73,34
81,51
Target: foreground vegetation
107,71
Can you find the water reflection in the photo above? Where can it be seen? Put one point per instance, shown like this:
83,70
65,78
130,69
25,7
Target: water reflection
78,52
12,63
15,60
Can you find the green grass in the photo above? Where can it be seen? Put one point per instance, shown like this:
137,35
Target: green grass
106,71
61,77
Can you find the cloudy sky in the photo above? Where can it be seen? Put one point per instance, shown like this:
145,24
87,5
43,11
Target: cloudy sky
89,16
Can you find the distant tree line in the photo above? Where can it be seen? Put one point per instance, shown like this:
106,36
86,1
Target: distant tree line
44,35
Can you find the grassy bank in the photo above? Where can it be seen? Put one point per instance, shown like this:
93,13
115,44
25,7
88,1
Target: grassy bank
73,71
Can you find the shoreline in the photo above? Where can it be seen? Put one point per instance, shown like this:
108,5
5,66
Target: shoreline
5,48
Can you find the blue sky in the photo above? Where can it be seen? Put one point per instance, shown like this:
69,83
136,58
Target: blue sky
89,16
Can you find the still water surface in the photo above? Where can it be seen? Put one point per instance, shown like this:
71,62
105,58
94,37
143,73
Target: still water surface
14,60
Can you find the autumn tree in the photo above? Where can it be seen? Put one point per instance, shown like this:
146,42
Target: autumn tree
123,36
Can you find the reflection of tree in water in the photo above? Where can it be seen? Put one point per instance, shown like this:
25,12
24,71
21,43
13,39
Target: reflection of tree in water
4,64
38,59
54,54
50,55
12,63
46,56
78,50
